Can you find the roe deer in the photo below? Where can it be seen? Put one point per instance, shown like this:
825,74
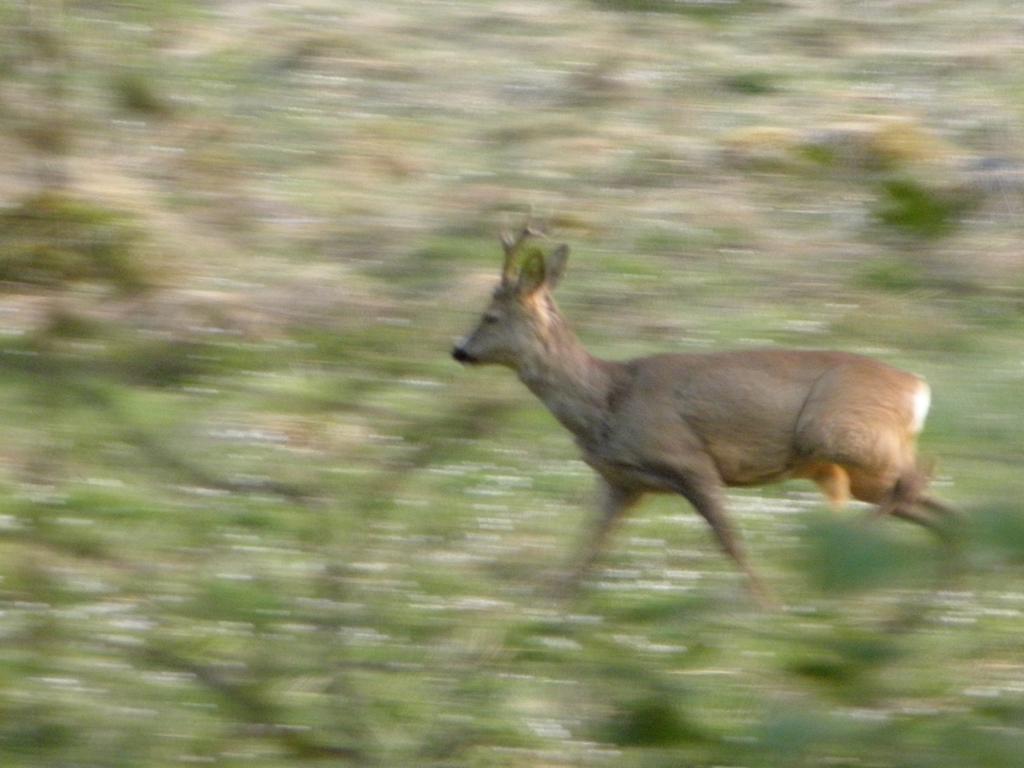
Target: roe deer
693,424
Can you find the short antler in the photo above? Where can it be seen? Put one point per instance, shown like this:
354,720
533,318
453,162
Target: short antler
511,243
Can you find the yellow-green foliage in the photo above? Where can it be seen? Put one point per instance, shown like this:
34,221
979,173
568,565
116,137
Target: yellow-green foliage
875,144
762,145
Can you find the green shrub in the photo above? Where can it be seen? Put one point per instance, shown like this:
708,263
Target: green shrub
917,210
700,8
651,722
751,83
53,240
135,93
895,275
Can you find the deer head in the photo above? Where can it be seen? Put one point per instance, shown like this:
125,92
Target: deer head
515,323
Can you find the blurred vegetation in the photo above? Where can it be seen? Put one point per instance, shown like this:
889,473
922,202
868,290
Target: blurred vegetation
252,514
53,241
910,207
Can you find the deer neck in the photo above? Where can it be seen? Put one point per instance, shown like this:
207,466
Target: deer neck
575,386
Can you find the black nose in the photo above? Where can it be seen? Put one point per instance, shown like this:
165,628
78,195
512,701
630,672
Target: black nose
461,355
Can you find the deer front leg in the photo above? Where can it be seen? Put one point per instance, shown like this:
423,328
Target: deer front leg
704,492
613,502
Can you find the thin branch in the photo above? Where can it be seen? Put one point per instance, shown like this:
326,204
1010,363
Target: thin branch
248,704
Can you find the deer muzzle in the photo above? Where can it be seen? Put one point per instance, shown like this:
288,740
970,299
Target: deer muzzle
462,355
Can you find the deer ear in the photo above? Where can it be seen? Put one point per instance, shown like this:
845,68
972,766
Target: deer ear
555,265
531,273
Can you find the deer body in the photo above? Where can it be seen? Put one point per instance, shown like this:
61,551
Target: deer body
693,424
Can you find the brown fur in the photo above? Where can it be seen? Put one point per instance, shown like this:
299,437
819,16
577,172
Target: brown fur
693,424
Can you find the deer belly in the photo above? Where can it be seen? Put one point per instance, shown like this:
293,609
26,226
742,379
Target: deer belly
751,463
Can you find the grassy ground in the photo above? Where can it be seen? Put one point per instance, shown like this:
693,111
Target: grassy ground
251,513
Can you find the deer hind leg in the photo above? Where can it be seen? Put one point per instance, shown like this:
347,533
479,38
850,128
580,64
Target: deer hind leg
881,468
940,508
832,479
902,497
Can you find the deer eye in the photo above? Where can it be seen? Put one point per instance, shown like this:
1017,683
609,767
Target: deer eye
489,318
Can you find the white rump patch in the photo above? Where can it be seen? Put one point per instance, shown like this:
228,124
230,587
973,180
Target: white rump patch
922,401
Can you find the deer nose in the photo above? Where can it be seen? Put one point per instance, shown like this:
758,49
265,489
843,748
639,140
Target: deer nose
462,355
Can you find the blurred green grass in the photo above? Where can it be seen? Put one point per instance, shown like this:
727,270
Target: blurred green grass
253,514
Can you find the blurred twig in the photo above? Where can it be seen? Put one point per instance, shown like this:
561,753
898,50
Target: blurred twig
175,462
465,422
248,704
